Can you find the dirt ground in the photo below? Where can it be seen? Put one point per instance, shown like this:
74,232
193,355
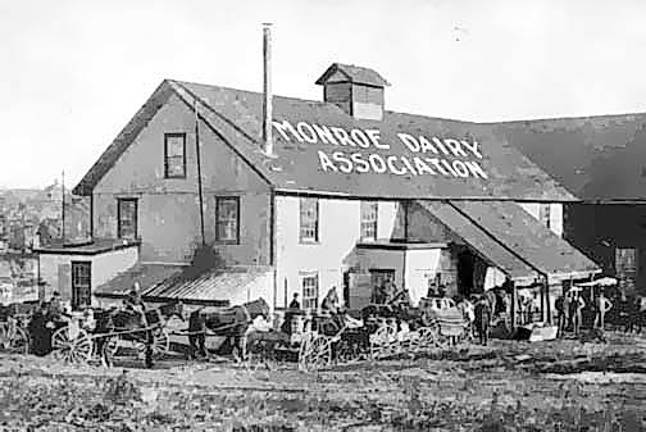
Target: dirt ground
507,386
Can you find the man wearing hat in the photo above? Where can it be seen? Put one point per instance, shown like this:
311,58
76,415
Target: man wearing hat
133,303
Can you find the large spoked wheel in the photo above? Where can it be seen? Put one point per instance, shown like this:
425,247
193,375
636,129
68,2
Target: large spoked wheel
71,346
315,353
13,339
383,342
160,346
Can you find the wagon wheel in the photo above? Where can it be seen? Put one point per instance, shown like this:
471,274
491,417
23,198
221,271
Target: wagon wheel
428,338
315,352
71,348
13,339
413,342
383,342
160,345
407,341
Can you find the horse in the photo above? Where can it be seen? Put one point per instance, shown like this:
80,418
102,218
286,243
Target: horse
232,323
116,321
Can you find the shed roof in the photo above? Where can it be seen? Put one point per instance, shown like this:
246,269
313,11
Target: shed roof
479,241
595,158
352,73
147,275
534,243
218,286
236,116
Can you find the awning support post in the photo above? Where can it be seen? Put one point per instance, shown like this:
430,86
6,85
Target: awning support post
514,307
548,307
542,290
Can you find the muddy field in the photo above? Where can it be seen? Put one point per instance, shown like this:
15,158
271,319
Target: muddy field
508,386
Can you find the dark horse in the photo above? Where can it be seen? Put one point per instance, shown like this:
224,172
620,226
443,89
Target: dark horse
231,323
116,321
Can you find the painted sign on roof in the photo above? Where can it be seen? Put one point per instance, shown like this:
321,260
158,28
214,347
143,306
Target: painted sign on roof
318,148
361,150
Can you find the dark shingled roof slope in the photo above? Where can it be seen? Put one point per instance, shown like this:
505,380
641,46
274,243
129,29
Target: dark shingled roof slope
235,116
595,158
354,74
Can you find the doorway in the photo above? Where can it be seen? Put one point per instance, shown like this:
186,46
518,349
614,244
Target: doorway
466,268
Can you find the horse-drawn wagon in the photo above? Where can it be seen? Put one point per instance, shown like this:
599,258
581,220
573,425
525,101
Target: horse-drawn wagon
14,336
100,335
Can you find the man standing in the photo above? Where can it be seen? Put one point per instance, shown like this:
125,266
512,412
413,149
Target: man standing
133,303
295,304
331,301
577,306
603,306
562,305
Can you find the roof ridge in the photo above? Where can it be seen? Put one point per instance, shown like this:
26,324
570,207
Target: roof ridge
565,118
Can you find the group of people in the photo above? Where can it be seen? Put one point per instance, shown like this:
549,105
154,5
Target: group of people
330,303
387,293
571,306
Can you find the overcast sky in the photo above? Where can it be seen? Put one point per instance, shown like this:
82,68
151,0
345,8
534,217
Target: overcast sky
73,72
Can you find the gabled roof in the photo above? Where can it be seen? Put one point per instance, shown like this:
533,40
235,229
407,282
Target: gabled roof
123,140
235,116
354,74
595,158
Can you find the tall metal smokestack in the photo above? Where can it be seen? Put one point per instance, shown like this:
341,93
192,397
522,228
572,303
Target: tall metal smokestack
267,104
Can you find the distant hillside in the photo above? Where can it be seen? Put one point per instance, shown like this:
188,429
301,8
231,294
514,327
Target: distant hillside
43,207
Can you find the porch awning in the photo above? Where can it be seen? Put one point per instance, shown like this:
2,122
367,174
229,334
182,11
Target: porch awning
146,275
215,287
480,242
492,227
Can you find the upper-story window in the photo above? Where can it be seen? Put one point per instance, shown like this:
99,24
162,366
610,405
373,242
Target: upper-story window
175,155
369,211
127,218
309,220
545,214
227,219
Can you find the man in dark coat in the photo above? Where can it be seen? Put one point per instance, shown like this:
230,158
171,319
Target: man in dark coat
295,304
134,304
482,312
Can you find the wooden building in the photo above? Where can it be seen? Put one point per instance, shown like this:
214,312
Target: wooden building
347,194
602,161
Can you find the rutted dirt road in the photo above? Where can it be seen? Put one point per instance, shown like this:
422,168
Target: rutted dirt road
562,385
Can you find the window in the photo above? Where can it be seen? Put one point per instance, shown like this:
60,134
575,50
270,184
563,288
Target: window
544,214
127,218
175,155
81,284
310,284
369,212
227,219
309,220
626,266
